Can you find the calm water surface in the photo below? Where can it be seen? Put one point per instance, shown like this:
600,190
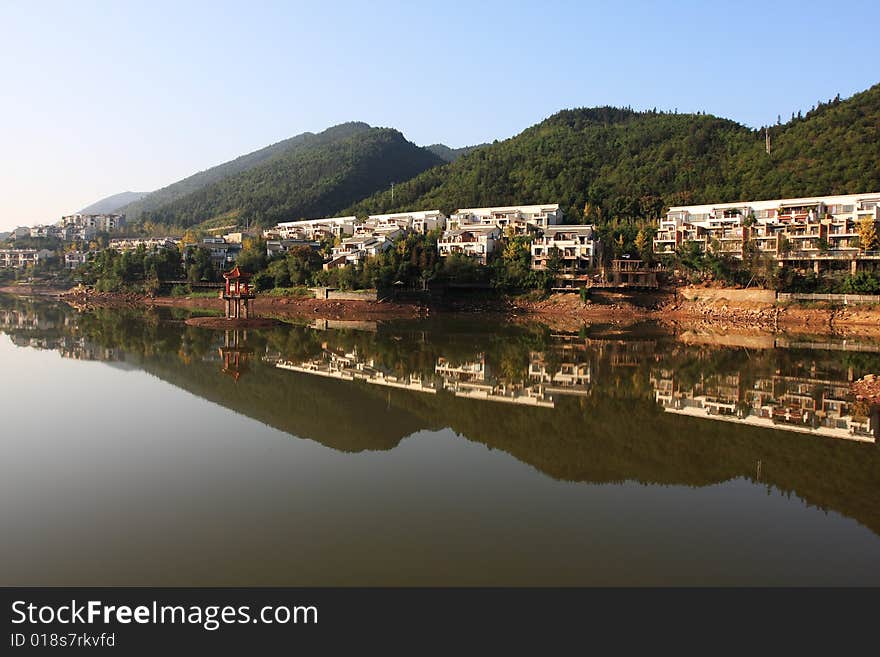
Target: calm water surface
137,450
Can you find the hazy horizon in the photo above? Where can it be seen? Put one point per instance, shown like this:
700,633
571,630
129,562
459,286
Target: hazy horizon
106,98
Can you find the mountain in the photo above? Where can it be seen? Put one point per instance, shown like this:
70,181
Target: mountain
448,154
309,175
630,164
113,203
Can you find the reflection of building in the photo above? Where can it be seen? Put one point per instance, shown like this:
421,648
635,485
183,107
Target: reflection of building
569,378
473,370
83,349
808,405
25,319
349,366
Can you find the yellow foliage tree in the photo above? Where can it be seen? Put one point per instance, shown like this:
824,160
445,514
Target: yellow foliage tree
867,234
641,242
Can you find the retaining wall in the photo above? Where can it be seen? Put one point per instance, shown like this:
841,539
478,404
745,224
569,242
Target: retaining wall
723,294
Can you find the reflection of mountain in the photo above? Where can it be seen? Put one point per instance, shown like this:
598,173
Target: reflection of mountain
605,424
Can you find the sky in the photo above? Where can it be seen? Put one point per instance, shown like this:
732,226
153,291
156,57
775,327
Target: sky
104,97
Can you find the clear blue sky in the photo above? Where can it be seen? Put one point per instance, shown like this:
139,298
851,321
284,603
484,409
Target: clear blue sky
103,97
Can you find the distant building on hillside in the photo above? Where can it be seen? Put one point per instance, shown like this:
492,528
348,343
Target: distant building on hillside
149,243
100,222
421,222
74,259
521,218
19,258
312,229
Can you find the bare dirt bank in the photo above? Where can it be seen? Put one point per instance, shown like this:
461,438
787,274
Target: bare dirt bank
709,311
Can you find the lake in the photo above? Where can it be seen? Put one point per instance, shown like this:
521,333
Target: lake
137,450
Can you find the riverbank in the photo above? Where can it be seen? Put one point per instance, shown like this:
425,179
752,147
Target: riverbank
686,310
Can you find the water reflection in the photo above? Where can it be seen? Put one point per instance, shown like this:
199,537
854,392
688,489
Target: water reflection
603,405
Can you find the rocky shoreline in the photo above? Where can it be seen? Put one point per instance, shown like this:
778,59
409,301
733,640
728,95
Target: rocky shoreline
559,311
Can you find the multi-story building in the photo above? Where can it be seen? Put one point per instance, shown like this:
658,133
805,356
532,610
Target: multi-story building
519,218
74,259
576,246
280,247
223,254
474,240
353,250
46,231
796,229
100,222
149,243
312,229
18,258
421,222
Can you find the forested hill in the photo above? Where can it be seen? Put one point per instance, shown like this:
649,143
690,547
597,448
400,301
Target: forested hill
113,203
622,163
451,154
310,176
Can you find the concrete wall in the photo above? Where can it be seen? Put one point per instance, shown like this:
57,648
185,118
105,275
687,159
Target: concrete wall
836,298
351,296
707,295
330,293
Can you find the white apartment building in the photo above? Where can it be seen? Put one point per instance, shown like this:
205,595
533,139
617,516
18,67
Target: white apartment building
18,258
521,217
223,254
149,243
794,228
353,250
576,245
421,222
45,231
312,229
100,222
473,240
74,259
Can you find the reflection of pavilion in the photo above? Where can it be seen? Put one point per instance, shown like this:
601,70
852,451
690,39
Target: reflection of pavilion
234,353
807,405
